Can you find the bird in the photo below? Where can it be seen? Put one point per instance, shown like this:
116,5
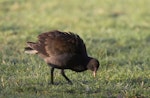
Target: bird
63,50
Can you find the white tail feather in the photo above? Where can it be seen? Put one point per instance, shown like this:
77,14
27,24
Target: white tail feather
31,51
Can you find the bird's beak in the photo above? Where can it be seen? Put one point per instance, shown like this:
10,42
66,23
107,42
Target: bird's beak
94,73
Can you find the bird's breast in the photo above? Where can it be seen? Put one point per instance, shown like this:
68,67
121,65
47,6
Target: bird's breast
59,60
79,68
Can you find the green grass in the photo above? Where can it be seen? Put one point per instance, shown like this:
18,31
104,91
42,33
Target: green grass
117,32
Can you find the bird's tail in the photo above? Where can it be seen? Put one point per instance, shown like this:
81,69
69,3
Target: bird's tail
30,48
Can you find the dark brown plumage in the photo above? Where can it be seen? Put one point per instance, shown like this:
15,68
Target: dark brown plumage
63,50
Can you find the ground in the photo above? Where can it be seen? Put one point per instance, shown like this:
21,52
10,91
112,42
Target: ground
116,32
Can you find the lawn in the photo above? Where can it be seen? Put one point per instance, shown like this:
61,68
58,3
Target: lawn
116,32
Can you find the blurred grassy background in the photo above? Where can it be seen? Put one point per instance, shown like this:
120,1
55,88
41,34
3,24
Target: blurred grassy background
117,32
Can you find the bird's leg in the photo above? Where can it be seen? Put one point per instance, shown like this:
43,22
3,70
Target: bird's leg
52,75
63,74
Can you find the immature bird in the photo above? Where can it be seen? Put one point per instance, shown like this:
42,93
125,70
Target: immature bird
63,50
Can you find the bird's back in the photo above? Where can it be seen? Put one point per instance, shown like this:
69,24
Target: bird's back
60,42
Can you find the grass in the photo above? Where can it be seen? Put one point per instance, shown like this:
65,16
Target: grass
116,32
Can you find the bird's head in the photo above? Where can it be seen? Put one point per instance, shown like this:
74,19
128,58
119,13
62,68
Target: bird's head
93,65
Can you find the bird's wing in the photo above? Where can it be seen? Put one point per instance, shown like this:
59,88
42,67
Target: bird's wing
57,43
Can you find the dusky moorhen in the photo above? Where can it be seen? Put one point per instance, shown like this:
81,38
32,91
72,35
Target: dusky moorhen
63,50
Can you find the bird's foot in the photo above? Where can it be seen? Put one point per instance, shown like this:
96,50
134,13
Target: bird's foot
69,82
